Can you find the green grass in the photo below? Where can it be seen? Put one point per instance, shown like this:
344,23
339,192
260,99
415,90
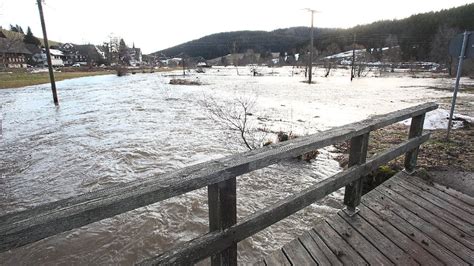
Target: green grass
21,79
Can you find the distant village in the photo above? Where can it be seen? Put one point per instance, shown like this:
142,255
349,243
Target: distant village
20,49
23,50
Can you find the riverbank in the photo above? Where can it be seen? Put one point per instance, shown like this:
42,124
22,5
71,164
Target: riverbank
20,79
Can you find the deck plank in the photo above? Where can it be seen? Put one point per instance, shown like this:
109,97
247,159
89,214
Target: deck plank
454,210
451,191
338,246
277,258
370,253
435,220
313,249
392,198
404,221
333,259
373,201
435,210
297,254
440,194
417,252
387,247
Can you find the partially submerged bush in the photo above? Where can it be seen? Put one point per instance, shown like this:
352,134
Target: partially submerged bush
184,82
307,157
121,71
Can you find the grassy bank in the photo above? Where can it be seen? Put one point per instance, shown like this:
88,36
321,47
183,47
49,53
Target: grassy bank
21,79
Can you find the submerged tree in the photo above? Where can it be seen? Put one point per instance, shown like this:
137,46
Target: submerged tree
332,49
235,116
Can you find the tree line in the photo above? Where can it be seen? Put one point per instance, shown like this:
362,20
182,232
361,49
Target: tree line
421,37
28,37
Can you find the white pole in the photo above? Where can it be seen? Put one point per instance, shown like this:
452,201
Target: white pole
458,77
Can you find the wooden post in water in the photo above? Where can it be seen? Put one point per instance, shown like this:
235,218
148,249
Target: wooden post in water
416,129
48,54
357,155
223,214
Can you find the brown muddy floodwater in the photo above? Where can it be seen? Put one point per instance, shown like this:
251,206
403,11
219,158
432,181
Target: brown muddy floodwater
110,130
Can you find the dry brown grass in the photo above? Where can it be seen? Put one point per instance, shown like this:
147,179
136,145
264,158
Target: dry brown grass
21,79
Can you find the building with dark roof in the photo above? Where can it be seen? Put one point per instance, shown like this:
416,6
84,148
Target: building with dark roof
13,53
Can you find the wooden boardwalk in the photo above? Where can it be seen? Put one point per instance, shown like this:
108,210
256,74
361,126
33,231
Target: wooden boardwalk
405,221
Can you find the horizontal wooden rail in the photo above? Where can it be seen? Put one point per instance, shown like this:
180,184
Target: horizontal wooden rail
206,245
28,226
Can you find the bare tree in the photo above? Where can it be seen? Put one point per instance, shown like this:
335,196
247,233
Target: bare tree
235,57
440,46
236,117
332,49
392,54
363,57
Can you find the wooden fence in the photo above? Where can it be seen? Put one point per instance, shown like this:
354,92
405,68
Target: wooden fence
21,228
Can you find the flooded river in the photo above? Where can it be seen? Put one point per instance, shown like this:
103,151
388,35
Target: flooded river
109,130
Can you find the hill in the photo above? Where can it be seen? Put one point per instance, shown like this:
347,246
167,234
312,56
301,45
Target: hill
414,35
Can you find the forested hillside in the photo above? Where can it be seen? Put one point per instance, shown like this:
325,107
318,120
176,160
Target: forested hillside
417,36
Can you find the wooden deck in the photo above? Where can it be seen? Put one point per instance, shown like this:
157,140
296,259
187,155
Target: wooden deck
405,221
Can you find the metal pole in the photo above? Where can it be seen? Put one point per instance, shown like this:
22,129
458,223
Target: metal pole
311,50
48,55
458,77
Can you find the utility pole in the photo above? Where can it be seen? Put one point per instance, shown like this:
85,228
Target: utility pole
310,76
353,58
48,55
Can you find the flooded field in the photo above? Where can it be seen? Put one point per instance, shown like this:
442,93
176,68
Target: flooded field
109,130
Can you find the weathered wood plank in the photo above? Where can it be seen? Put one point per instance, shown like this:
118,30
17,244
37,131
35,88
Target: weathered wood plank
338,246
277,258
391,198
28,226
373,201
444,226
222,198
449,219
325,249
387,247
357,155
207,245
454,193
460,181
316,253
416,129
400,239
416,182
297,254
370,253
454,210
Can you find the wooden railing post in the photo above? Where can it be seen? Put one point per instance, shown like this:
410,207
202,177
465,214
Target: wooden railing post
223,214
416,129
357,155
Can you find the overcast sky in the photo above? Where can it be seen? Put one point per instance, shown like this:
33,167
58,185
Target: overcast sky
155,25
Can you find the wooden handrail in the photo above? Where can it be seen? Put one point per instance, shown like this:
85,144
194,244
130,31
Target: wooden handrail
24,227
204,246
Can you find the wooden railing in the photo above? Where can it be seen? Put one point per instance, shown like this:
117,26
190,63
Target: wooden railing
219,176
